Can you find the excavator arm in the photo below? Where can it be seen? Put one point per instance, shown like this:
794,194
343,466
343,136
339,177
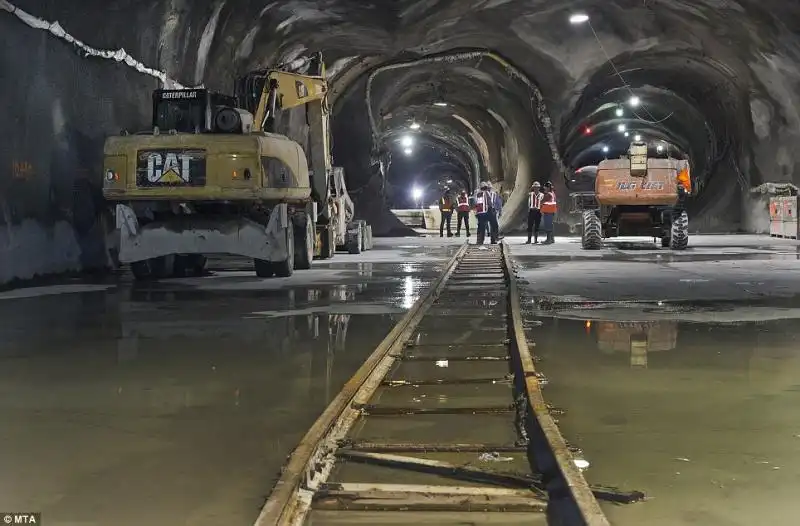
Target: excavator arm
267,92
283,91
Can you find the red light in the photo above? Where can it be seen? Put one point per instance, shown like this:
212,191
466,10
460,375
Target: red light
587,131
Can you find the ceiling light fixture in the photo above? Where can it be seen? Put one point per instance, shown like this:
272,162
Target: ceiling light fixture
605,149
637,138
627,134
440,104
578,18
407,141
619,112
635,101
408,151
414,126
621,128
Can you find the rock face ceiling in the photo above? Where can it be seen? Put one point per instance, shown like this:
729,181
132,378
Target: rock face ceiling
717,80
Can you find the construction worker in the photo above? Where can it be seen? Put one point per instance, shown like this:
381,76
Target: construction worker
495,209
485,202
482,211
535,198
549,208
446,211
462,209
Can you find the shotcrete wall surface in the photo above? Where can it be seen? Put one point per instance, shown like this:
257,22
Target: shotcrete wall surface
718,83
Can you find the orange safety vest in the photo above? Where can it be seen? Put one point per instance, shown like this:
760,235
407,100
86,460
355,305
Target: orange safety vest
463,203
549,206
445,204
535,200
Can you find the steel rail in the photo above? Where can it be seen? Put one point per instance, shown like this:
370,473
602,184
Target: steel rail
305,477
289,503
579,490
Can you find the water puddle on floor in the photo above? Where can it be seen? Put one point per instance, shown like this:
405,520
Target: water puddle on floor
697,406
193,396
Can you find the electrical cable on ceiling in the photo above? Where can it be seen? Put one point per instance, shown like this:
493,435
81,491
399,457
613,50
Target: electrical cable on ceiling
625,83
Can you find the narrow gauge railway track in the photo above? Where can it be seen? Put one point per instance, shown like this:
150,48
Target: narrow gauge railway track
444,423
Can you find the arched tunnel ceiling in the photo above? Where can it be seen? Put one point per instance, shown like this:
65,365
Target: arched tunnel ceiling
717,79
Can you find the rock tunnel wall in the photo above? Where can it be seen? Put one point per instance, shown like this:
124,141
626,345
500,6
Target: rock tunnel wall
58,108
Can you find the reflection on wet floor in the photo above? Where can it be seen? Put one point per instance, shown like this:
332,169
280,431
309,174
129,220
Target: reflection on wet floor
177,402
651,256
700,415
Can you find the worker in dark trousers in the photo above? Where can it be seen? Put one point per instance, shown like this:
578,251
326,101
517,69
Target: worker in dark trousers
549,208
495,209
535,198
482,211
462,209
446,211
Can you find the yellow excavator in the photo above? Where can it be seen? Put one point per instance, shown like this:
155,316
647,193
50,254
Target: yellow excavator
213,177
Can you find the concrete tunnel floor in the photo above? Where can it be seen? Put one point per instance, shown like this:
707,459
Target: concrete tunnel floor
679,372
177,402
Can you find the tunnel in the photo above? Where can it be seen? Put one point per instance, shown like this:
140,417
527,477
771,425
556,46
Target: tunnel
425,94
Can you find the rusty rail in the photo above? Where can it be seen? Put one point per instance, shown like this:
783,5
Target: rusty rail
288,503
304,481
570,475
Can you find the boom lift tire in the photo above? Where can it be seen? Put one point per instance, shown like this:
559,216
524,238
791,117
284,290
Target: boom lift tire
304,243
592,237
679,232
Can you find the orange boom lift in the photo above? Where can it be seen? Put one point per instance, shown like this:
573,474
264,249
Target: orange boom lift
637,196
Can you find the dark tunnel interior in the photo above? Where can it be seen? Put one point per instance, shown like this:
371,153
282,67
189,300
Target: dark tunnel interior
509,91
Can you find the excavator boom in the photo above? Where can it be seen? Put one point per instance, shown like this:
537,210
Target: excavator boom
283,91
267,92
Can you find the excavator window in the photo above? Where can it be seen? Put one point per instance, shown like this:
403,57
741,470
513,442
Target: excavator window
180,115
187,111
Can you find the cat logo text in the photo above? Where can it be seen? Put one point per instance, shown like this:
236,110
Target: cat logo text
171,168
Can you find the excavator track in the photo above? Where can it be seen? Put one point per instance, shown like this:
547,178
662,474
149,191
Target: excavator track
444,423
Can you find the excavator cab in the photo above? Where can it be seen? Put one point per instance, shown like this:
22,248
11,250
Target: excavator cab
197,111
